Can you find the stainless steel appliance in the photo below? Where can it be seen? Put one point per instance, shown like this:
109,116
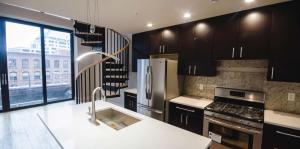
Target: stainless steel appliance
235,119
157,82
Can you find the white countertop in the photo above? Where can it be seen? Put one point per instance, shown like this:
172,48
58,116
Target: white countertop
282,119
195,102
70,126
132,90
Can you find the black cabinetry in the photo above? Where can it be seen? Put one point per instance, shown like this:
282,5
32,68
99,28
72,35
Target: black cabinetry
280,137
285,43
130,101
186,117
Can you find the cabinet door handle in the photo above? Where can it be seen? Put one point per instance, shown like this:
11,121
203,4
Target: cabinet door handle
185,109
1,80
159,48
190,69
163,48
181,118
232,55
287,134
241,52
5,78
186,120
195,67
272,73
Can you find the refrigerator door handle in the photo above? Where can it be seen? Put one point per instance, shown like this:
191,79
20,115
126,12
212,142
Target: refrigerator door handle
146,82
150,81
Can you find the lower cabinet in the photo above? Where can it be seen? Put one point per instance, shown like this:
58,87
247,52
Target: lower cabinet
186,117
280,137
130,101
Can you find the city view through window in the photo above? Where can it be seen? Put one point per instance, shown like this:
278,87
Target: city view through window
24,63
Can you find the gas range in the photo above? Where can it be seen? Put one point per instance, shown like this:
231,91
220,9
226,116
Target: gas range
240,106
235,119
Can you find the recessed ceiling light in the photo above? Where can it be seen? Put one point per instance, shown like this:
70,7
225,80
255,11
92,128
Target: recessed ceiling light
149,25
187,15
249,1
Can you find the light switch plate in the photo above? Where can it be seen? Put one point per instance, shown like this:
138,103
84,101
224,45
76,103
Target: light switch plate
291,96
201,87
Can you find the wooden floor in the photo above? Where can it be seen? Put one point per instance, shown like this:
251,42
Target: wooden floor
23,129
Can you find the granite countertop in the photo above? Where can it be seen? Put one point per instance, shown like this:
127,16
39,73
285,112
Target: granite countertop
72,129
287,120
132,90
191,101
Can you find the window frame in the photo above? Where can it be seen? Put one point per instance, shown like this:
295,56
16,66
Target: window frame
5,99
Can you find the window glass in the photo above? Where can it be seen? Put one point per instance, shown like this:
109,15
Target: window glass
58,51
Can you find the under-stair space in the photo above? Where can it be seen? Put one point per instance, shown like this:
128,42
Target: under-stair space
107,72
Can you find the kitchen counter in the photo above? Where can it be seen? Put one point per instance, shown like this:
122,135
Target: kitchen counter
132,90
195,102
282,119
72,129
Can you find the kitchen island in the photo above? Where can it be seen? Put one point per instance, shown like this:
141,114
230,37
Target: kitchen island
72,130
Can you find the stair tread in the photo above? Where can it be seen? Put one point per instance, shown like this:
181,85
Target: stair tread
86,33
91,42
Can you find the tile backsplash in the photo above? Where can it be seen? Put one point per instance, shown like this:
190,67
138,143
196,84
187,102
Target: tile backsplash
250,75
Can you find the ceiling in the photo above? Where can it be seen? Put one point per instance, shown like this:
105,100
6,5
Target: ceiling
131,16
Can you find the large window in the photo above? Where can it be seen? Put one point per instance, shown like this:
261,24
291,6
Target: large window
35,53
20,39
58,43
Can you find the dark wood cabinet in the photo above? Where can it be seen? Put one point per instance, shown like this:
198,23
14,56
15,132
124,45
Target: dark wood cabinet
130,101
280,137
170,40
155,38
195,55
270,32
186,117
141,48
164,41
225,36
285,43
243,35
254,33
186,46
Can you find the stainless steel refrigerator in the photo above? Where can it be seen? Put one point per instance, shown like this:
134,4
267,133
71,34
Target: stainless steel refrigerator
157,83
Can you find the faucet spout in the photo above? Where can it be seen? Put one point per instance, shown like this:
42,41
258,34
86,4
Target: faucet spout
93,114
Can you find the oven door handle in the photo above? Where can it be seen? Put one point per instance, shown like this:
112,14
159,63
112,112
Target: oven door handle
239,128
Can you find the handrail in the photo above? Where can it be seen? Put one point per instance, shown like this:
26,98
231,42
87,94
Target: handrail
102,60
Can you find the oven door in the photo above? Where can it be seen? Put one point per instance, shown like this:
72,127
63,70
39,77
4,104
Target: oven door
228,135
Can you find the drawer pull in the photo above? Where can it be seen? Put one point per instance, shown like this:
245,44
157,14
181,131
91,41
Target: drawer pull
287,134
185,109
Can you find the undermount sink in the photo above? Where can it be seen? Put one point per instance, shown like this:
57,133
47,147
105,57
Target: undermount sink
115,119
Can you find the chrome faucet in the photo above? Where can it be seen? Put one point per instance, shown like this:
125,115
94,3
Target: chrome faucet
93,113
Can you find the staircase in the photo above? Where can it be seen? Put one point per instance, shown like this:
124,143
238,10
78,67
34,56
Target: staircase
106,72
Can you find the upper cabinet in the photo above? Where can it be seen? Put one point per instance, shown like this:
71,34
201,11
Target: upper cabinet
141,48
285,43
225,37
271,32
243,35
164,41
195,56
254,33
170,40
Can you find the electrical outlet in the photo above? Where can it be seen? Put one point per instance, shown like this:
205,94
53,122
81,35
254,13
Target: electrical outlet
291,96
201,87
